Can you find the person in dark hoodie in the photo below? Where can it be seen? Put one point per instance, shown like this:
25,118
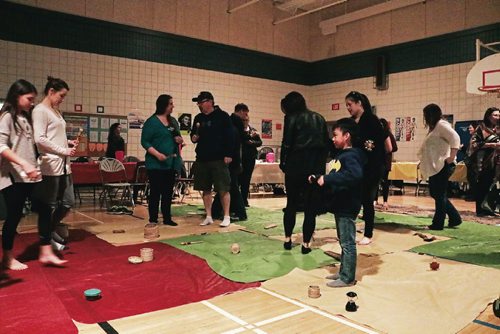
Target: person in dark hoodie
345,182
304,150
214,138
236,205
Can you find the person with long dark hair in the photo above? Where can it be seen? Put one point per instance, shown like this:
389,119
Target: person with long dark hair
54,196
304,150
390,147
248,155
470,162
19,170
372,143
161,139
437,162
485,147
115,141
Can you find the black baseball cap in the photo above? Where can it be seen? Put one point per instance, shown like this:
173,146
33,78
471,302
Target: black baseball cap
203,96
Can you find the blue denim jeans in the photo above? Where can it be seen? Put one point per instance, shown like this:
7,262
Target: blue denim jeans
346,232
438,185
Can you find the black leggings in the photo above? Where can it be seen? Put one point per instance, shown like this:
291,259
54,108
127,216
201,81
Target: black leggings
299,197
161,184
245,178
369,193
484,181
385,185
15,197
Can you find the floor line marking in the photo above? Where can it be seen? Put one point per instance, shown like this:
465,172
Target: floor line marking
89,217
225,313
280,317
315,310
235,331
487,324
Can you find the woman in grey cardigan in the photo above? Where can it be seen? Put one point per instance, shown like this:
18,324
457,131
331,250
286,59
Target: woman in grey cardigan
54,195
19,170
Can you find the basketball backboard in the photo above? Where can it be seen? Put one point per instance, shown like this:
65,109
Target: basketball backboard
484,77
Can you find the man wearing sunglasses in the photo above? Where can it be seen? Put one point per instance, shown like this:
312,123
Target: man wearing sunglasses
213,136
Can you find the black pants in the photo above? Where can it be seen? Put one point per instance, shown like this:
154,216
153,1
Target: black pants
245,177
385,185
15,197
371,182
471,180
53,198
300,195
161,182
484,182
236,206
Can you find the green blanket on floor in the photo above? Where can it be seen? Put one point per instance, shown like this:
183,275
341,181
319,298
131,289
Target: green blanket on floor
259,218
260,258
471,242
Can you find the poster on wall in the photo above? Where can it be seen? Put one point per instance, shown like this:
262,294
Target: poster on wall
73,125
404,129
410,128
398,129
96,129
185,123
135,121
267,128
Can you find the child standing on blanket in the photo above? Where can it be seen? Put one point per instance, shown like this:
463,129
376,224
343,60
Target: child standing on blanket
345,182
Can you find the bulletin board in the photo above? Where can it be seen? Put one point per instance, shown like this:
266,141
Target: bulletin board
94,140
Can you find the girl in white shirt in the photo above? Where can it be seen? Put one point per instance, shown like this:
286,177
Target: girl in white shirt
54,194
437,162
19,169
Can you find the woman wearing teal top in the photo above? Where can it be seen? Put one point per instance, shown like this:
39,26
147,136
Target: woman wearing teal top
161,139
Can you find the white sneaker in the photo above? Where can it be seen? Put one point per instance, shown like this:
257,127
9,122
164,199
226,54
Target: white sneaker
225,222
207,221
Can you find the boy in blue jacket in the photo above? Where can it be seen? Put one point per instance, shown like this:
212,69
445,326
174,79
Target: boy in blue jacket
345,182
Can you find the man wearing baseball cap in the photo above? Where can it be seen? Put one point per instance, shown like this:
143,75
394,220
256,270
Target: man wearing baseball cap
213,136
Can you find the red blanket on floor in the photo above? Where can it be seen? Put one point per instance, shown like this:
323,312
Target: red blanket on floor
45,299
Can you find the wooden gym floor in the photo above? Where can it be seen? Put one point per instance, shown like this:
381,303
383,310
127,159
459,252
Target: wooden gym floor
251,311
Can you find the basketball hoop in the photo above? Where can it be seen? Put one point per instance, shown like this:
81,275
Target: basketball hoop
490,90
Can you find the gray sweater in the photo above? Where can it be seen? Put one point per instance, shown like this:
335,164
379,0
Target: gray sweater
50,138
22,143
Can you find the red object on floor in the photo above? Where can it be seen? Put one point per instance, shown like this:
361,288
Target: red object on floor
87,173
173,278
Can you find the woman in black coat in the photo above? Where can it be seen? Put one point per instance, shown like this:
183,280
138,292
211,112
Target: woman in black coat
372,143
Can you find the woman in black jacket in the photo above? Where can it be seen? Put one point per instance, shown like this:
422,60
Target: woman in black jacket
303,152
372,143
115,141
